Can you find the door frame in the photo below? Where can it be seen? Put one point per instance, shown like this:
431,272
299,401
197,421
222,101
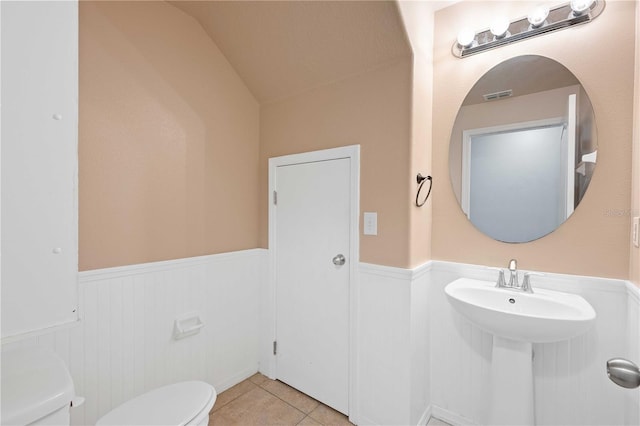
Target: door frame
351,152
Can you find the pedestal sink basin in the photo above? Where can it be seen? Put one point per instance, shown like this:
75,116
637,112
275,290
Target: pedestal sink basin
517,319
539,317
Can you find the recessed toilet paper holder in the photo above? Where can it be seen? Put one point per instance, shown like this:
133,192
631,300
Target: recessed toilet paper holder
187,325
623,373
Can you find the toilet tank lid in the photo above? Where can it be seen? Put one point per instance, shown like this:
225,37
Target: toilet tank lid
35,382
175,404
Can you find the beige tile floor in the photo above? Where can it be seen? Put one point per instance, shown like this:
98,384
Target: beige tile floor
262,401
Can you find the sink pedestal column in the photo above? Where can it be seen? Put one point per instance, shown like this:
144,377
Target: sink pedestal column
512,383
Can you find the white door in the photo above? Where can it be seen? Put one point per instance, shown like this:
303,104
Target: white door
312,234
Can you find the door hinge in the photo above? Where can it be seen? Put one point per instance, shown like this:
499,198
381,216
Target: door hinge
275,198
275,347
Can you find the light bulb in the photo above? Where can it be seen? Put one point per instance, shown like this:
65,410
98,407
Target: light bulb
500,27
538,15
581,6
466,37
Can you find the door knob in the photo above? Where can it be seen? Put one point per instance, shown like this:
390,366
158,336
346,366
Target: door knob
623,373
339,260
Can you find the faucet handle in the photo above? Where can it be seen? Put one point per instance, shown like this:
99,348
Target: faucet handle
526,281
501,283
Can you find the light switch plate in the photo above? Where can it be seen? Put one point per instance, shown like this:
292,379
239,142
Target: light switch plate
370,223
635,231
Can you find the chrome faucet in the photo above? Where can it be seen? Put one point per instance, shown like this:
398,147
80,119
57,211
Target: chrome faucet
526,283
513,278
501,282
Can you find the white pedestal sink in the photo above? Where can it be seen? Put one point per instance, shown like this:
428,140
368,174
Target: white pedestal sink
516,320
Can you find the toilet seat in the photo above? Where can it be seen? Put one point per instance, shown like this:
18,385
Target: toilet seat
177,404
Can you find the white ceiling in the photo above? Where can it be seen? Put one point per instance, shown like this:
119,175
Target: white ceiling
282,48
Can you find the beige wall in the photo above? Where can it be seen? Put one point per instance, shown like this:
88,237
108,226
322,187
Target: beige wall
372,110
634,268
595,240
420,218
417,17
168,136
168,139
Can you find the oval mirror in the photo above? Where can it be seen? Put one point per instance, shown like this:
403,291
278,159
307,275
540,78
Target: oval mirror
523,149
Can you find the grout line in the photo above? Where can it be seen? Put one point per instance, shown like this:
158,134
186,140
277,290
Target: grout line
231,400
296,390
271,393
307,417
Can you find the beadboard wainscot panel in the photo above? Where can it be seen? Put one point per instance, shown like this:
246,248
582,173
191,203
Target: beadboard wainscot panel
633,351
420,373
460,354
393,349
384,308
123,344
572,371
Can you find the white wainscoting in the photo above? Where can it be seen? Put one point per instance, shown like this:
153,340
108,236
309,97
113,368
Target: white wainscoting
632,414
393,345
571,385
123,345
416,356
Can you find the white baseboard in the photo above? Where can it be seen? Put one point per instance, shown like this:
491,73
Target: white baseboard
424,419
450,417
234,380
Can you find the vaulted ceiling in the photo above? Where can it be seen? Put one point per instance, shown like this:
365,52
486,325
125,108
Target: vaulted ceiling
282,48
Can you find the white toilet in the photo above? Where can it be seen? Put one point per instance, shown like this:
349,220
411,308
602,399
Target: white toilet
36,388
184,403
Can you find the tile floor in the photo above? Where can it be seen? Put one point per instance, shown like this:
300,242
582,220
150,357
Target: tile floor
262,401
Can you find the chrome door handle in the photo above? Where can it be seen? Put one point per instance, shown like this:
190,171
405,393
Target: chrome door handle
339,260
623,373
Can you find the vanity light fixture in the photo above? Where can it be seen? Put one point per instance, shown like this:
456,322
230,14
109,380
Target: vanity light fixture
538,16
541,20
466,38
500,27
581,6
